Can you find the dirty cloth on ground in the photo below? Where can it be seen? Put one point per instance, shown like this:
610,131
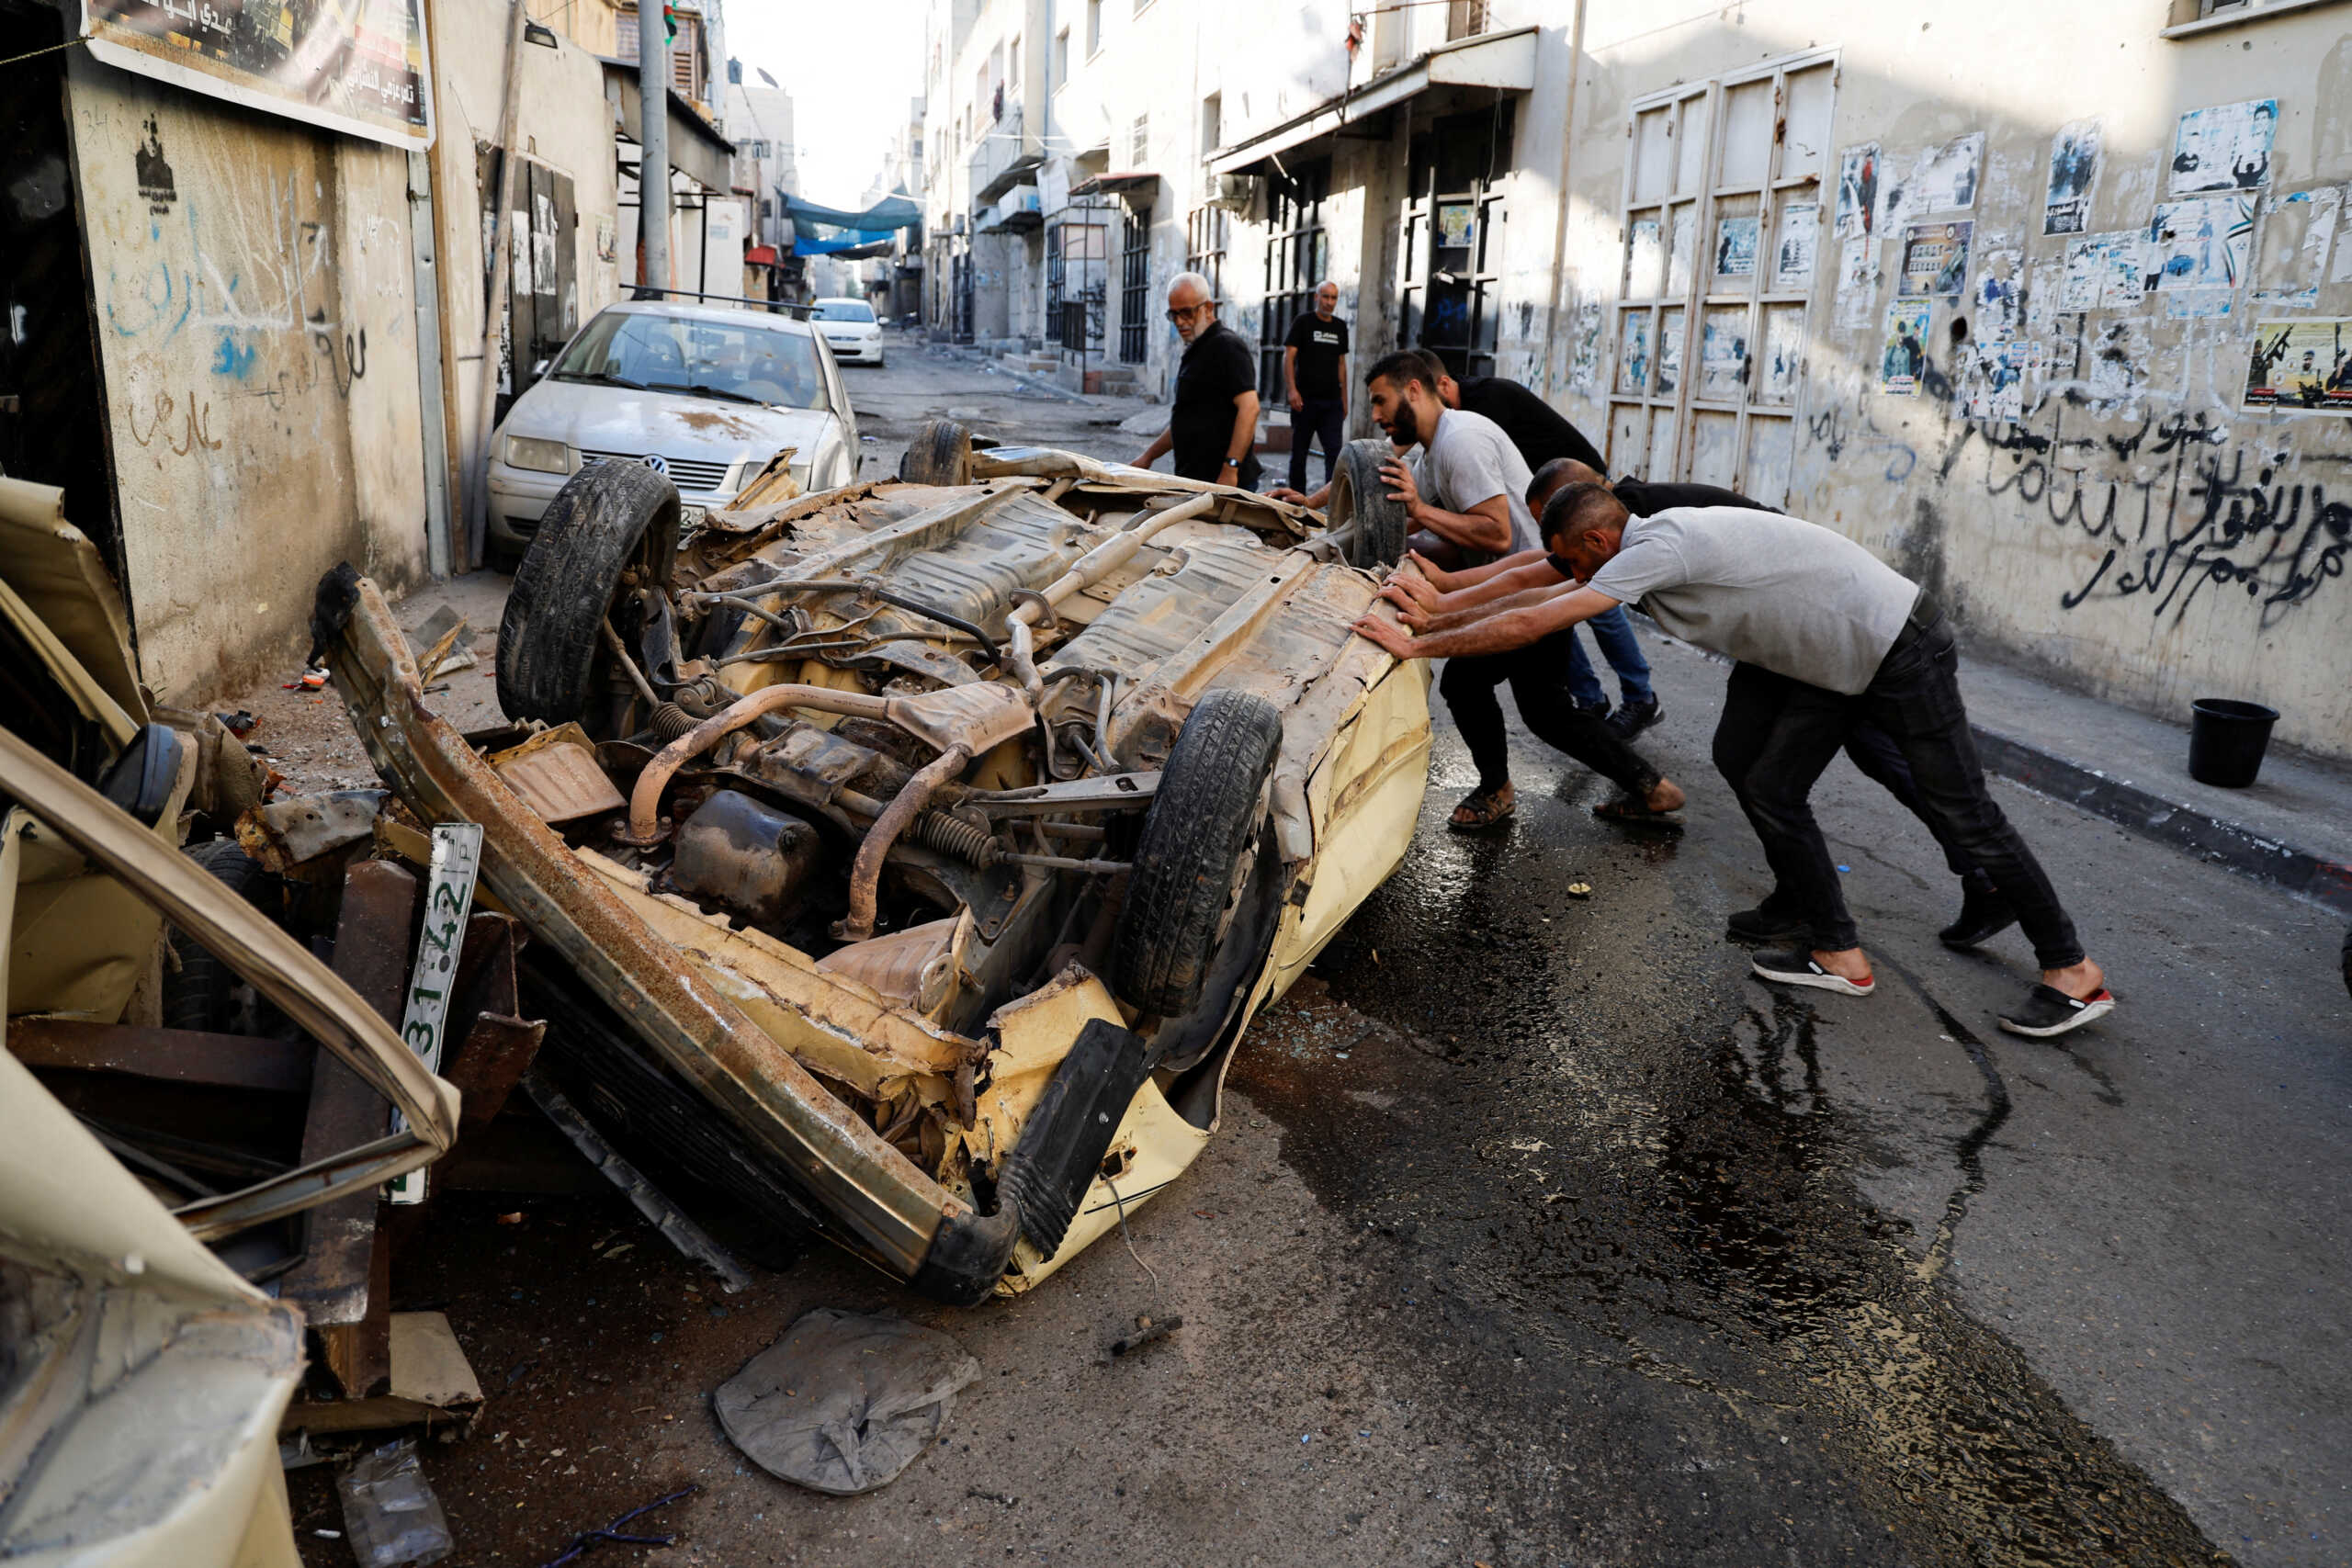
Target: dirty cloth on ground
846,1400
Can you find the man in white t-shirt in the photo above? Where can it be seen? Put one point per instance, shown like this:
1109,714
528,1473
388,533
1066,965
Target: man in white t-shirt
1471,493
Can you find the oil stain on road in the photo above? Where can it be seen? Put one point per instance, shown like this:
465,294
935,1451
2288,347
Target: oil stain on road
1628,1206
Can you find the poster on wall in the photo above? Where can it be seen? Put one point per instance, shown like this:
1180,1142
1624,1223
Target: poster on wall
1992,381
1634,355
1904,352
2297,230
1646,251
1856,190
1800,237
1935,260
2103,271
1457,224
1857,284
2226,147
2074,178
2300,367
1723,355
1942,179
1998,296
1736,243
1783,358
1669,353
2200,245
357,67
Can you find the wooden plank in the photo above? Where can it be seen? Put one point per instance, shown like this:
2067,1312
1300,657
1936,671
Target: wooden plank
174,1056
335,1283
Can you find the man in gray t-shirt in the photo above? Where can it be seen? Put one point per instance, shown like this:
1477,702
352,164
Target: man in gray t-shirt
1826,636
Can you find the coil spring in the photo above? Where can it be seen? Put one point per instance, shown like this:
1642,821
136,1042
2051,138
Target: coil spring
671,721
954,836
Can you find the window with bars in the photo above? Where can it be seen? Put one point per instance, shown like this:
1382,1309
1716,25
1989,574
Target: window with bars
1298,253
1720,244
1139,142
1449,249
1074,257
1208,231
1135,285
685,50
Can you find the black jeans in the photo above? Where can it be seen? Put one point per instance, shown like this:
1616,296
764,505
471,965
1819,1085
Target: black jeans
1873,751
1538,677
1776,735
1320,419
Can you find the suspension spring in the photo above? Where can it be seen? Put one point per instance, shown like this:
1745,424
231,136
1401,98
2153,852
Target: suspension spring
953,835
671,721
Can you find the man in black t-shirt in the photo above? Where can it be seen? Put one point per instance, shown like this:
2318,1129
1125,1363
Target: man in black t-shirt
1535,426
1315,373
1213,422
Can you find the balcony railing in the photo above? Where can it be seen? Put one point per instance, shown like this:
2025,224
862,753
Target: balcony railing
1006,153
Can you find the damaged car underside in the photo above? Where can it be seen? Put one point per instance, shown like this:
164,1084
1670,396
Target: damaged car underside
907,861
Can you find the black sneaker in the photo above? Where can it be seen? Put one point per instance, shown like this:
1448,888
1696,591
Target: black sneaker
1983,914
1632,718
2049,1012
1764,923
1801,969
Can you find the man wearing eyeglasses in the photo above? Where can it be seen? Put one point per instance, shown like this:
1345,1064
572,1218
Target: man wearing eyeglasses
1213,424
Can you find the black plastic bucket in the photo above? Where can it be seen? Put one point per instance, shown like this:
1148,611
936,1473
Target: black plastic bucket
2226,741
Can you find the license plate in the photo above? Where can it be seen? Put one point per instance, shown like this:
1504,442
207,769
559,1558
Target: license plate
448,899
691,516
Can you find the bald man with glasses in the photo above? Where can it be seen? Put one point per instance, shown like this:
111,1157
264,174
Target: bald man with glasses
1212,421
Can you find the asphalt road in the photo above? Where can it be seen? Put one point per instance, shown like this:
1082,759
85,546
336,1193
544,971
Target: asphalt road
1537,1233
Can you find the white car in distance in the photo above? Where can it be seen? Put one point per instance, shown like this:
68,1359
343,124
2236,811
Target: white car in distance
850,330
706,394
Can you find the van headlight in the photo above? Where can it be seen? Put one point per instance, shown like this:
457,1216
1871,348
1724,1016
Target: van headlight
539,456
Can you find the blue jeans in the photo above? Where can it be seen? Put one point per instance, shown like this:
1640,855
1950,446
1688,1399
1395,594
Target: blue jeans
1614,635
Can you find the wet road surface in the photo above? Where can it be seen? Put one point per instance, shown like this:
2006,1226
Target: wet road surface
1536,1233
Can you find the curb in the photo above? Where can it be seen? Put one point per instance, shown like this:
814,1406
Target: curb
2231,845
993,367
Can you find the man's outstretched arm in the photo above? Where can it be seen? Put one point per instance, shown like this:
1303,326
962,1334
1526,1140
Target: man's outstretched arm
1497,633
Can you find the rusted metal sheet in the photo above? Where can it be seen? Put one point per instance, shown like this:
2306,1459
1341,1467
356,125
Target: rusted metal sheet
556,773
487,1065
172,1056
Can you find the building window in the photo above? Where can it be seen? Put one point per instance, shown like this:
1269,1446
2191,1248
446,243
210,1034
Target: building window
1450,247
1013,64
1061,57
1207,233
1465,19
1212,123
1093,28
1139,142
1724,230
1076,253
1298,253
1135,283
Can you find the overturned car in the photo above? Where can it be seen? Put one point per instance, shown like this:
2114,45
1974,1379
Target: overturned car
907,861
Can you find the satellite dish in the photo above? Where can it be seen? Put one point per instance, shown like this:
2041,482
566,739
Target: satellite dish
765,78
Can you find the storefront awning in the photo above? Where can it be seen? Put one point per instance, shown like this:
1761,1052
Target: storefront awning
1114,185
1505,61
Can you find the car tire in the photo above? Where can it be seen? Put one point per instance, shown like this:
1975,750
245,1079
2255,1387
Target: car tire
1358,495
608,517
1198,847
941,454
199,991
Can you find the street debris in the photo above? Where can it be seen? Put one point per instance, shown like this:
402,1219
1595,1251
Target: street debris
613,1532
390,1510
845,1401
1149,1331
1579,889
448,640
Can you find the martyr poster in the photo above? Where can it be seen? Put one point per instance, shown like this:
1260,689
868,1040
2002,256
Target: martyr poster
2300,366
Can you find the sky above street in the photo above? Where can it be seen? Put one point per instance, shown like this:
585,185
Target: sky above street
850,69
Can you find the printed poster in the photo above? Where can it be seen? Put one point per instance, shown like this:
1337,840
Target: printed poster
1800,237
1584,366
2103,272
2303,366
1997,296
1669,353
1457,224
359,66
1682,247
2074,178
2226,147
1736,245
1904,354
1943,179
2297,232
1723,355
1935,260
1857,283
1648,249
1856,190
1634,355
1783,356
2200,244
1992,382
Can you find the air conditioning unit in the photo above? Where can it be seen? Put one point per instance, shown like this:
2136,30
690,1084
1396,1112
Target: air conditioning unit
1237,193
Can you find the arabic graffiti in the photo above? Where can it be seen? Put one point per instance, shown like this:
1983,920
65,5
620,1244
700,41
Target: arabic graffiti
193,432
2207,514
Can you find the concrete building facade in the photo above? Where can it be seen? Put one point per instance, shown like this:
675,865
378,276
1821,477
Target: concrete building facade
2063,329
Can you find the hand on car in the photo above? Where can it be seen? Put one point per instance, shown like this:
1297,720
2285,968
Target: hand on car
1437,577
1401,485
1284,492
1405,587
1387,634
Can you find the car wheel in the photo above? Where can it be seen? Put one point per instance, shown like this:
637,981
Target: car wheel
941,454
608,517
1359,496
200,991
1197,850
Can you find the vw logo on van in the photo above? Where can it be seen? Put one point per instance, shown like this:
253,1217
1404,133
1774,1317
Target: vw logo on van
657,462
